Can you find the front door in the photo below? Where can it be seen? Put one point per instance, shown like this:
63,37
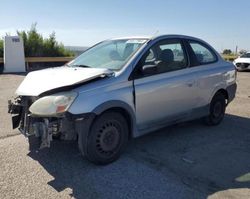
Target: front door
164,88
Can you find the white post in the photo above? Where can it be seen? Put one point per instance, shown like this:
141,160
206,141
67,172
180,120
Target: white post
14,60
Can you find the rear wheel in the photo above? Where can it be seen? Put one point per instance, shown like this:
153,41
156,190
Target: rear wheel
217,109
106,139
34,142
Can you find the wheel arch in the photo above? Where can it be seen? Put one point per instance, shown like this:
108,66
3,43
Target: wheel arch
120,107
223,91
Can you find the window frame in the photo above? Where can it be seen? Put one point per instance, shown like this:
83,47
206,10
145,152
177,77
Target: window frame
134,74
193,58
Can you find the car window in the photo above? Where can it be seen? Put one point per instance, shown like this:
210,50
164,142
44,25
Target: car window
165,56
110,54
246,55
203,53
151,56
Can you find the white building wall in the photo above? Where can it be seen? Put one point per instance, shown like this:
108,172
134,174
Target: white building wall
14,60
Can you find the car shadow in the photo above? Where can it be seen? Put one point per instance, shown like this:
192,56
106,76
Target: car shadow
200,159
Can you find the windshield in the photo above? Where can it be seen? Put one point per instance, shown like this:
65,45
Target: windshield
246,55
111,54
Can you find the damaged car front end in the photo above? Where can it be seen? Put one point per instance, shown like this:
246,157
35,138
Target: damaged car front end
42,114
44,118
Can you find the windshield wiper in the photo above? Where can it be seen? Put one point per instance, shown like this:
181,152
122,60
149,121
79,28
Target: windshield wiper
80,65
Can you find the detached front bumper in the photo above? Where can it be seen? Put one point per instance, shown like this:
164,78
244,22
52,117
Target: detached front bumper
21,118
15,109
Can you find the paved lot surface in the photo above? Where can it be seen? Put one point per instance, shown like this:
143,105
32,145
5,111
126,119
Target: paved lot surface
8,86
185,161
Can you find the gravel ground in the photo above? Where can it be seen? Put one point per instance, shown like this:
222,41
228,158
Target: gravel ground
186,161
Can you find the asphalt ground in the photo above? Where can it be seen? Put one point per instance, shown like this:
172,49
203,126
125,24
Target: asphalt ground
188,161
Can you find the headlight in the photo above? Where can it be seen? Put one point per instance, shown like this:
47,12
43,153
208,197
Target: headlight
53,104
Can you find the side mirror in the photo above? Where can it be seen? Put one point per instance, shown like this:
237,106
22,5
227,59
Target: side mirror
149,69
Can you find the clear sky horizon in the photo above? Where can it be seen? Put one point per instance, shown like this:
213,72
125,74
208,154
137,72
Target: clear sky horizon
222,23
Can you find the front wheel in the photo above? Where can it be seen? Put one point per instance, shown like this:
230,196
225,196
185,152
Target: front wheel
106,139
217,110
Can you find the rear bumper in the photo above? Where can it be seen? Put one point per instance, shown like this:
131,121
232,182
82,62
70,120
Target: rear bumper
231,90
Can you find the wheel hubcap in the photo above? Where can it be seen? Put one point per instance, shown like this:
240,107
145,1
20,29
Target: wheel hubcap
108,138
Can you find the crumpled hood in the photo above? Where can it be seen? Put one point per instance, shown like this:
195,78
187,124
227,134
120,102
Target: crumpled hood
38,82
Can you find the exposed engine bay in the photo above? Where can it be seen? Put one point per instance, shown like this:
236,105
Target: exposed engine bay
45,128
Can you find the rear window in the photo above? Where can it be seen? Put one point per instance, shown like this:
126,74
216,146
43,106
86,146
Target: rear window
203,53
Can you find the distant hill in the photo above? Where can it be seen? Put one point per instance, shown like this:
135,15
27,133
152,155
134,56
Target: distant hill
77,50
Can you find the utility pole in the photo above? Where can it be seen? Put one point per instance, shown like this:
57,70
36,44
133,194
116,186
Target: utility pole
236,50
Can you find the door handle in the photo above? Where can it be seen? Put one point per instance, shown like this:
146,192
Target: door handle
190,83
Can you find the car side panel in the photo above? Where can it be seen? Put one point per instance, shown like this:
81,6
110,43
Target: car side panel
164,97
211,78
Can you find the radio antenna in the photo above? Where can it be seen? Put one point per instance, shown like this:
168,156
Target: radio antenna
156,32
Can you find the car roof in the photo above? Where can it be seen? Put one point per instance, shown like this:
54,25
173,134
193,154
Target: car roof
158,37
132,37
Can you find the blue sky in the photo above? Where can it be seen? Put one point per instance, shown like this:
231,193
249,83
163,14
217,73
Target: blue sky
222,23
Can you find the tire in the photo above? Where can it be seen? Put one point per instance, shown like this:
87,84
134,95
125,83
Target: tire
34,143
106,139
216,110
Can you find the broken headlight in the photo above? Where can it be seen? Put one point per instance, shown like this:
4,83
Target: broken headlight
53,105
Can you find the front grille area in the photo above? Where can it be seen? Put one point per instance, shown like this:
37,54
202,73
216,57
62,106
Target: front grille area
242,65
